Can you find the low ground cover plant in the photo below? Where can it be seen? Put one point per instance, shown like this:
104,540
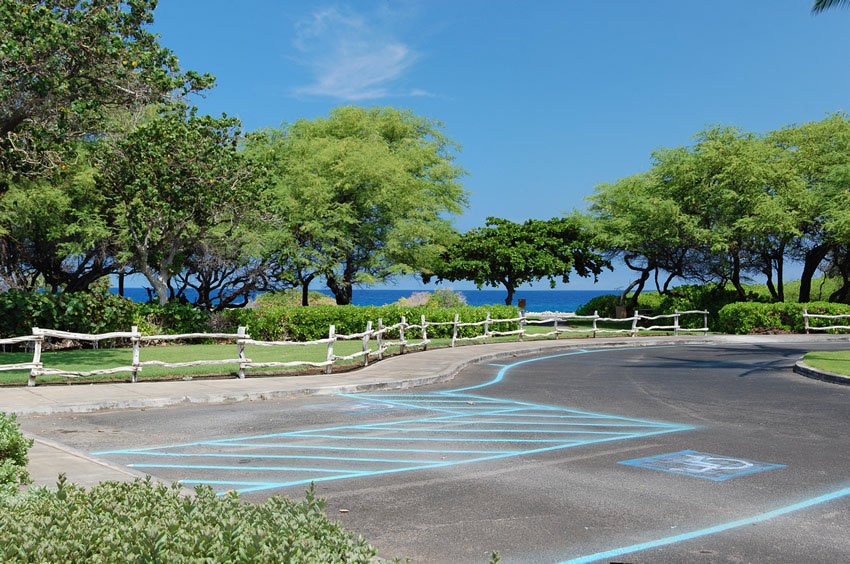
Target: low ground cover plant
13,455
144,521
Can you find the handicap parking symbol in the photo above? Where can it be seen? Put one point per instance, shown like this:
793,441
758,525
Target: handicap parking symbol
702,465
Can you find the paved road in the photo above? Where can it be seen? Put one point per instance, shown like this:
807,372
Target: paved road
526,457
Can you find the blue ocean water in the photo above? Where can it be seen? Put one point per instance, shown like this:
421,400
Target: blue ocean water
536,300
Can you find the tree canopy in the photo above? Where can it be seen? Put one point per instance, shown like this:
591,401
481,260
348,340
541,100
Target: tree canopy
508,254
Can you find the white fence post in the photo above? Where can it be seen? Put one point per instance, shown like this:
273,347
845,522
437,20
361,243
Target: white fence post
555,328
595,317
676,323
521,324
454,329
36,357
380,339
136,340
634,324
366,343
806,319
424,332
330,356
486,326
240,350
401,341
705,321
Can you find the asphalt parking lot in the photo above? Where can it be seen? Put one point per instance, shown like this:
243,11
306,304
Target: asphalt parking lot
708,453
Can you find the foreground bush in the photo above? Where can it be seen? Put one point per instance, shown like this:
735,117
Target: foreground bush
747,317
310,323
147,522
13,455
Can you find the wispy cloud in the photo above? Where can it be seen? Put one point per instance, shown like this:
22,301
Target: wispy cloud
349,57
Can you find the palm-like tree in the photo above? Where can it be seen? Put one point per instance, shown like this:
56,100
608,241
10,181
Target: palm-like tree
823,5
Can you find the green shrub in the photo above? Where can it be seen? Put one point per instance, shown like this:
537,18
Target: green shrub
13,454
311,323
291,297
442,297
749,317
82,312
171,318
604,305
146,522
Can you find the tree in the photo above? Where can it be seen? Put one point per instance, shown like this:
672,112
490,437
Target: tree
57,231
65,66
504,253
172,180
816,150
823,5
361,196
638,220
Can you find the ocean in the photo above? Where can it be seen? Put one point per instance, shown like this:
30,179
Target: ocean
536,300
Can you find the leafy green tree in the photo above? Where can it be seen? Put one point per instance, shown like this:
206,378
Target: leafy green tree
360,196
638,221
172,181
57,231
66,66
823,5
504,253
818,151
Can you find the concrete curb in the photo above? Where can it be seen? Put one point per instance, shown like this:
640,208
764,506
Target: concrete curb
394,373
444,375
810,372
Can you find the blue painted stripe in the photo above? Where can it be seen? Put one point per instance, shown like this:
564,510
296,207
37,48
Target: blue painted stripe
439,440
282,457
554,431
248,468
760,518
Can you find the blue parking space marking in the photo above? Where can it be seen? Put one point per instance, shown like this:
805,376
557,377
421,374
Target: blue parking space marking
702,465
455,427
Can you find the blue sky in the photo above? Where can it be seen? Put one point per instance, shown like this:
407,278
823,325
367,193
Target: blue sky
546,98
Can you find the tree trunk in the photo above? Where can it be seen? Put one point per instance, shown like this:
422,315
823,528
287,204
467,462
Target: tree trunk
510,298
780,272
305,293
768,271
121,275
736,277
814,257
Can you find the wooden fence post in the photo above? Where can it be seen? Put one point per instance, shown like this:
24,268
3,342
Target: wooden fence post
595,317
380,338
676,323
634,324
36,357
454,330
555,328
330,356
402,342
366,343
240,350
806,319
136,340
521,324
486,325
424,332
705,321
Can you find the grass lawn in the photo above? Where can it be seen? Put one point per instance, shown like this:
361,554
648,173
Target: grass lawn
84,360
837,362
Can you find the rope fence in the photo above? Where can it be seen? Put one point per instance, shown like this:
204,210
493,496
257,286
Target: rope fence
406,336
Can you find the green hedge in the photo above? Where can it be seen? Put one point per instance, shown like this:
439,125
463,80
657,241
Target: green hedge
709,298
310,323
748,317
13,455
93,312
146,522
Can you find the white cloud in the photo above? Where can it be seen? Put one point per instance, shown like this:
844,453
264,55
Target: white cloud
349,58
